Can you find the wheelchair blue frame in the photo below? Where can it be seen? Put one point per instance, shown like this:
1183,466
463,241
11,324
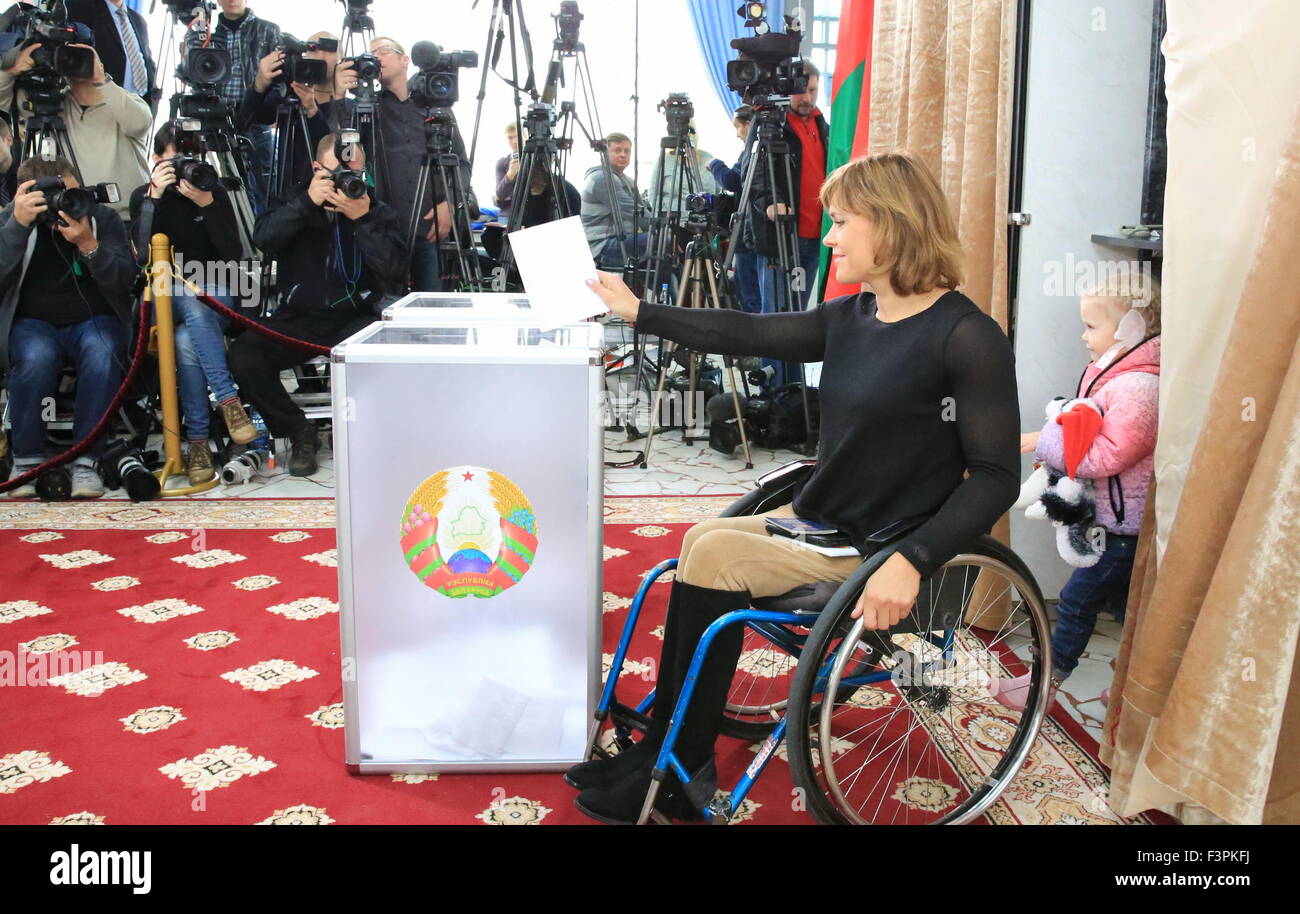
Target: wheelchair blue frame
772,625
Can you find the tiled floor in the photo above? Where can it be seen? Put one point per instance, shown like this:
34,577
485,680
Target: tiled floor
693,469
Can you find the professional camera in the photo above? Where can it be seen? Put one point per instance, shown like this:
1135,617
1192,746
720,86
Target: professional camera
567,21
349,183
297,68
122,466
437,85
699,207
678,111
77,202
365,66
766,65
53,60
203,65
198,172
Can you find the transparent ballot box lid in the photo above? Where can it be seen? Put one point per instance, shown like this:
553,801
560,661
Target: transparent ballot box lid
492,305
468,341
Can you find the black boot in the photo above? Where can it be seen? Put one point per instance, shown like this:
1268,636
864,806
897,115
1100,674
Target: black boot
302,457
610,771
695,609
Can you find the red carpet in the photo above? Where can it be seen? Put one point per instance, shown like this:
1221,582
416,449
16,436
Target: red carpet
217,669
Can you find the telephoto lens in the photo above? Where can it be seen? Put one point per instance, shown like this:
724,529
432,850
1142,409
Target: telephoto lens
350,183
198,172
244,467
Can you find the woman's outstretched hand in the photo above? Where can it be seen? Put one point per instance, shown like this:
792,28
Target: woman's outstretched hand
889,594
618,298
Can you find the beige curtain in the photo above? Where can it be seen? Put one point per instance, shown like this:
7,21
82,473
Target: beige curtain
1209,711
941,79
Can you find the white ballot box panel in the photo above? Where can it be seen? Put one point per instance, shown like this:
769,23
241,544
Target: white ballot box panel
469,477
418,306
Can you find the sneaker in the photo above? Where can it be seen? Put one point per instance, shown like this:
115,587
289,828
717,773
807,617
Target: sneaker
302,458
198,463
27,489
241,427
86,482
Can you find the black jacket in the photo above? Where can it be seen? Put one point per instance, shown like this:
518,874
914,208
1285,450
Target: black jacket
761,195
108,43
302,237
112,267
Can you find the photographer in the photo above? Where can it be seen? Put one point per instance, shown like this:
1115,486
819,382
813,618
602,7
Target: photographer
732,180
270,90
249,40
338,257
64,299
202,229
507,171
122,37
402,144
806,133
598,217
108,127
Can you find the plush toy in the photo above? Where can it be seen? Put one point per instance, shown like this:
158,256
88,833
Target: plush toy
1061,498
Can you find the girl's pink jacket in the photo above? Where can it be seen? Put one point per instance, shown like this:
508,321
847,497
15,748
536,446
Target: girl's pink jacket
1120,459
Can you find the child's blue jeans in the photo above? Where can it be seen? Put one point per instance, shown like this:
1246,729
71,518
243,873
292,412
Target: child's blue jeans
1088,592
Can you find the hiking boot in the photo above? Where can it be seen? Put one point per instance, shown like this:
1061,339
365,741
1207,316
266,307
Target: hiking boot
302,457
241,428
198,463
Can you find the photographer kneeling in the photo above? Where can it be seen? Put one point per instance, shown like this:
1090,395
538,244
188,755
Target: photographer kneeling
918,389
65,282
338,256
199,221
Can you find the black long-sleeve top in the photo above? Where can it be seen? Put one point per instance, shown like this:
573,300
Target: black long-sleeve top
204,234
330,262
907,408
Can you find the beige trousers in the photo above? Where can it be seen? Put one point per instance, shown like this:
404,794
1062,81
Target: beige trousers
736,553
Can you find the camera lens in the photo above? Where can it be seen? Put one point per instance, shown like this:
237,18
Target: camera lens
207,65
350,184
199,173
75,201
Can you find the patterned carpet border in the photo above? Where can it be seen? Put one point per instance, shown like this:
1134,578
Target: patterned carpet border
273,513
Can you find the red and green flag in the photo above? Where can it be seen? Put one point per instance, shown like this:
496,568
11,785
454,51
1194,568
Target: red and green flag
850,108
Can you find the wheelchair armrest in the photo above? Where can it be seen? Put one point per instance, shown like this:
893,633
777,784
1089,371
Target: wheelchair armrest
775,489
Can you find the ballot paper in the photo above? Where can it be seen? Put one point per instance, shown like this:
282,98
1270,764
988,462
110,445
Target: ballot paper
555,263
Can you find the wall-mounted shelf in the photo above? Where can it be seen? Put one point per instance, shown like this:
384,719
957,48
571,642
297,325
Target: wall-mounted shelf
1156,245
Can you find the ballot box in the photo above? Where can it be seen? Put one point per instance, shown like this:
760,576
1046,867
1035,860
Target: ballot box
469,474
493,306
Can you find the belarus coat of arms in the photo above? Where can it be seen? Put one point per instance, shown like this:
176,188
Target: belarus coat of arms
469,531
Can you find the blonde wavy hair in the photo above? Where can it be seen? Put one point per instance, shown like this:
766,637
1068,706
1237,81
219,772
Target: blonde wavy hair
1129,290
916,235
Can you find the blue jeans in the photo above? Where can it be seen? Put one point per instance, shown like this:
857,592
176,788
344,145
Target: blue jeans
610,255
258,165
1088,592
96,348
773,299
749,291
201,360
425,273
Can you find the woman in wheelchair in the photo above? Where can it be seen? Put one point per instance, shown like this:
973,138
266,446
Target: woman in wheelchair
919,421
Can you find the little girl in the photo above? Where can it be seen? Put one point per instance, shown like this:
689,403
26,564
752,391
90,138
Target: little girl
1121,327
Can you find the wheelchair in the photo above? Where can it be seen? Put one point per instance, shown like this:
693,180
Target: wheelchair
883,727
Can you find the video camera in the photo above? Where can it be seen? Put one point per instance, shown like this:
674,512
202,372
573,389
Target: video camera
766,65
567,21
678,111
437,85
299,68
53,59
203,66
77,202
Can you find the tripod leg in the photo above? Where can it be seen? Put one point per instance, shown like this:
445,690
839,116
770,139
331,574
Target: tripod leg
731,372
666,350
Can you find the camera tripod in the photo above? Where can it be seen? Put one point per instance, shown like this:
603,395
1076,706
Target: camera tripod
668,208
440,158
539,156
698,266
770,156
358,32
292,146
47,136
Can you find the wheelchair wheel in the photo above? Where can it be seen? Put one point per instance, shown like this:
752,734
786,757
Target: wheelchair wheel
760,689
920,738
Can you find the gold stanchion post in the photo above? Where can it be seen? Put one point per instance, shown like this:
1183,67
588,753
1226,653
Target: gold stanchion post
160,271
